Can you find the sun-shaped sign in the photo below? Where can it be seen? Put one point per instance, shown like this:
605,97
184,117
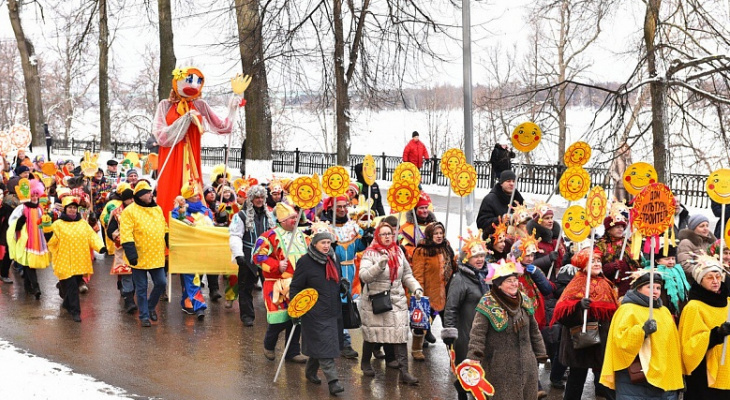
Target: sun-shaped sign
403,196
575,183
5,145
575,223
450,161
596,206
526,136
472,378
464,180
302,302
654,209
638,176
335,181
407,171
369,171
20,136
577,154
305,191
718,186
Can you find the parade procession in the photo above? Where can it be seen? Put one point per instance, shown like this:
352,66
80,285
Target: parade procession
340,275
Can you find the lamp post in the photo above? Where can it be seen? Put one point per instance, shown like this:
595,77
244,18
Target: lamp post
468,122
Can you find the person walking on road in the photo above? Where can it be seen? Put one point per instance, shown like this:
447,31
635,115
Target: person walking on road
415,151
144,238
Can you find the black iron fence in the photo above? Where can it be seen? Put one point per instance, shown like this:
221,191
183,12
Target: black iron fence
533,178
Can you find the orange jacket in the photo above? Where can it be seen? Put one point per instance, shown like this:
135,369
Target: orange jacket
429,272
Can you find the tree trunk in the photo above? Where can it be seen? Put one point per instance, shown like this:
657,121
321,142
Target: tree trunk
104,113
342,99
657,91
30,75
167,50
258,116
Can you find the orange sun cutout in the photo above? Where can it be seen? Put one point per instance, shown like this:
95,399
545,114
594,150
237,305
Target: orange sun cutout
451,160
406,171
403,196
305,191
464,180
335,181
596,206
574,183
577,154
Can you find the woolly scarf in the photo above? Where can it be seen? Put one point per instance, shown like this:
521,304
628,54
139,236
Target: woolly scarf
393,251
634,297
602,293
697,292
512,305
326,259
198,206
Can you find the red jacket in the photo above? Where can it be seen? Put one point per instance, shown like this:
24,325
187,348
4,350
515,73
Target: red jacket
414,153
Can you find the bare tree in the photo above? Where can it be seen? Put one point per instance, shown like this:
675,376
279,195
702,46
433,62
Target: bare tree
104,110
29,63
12,96
167,49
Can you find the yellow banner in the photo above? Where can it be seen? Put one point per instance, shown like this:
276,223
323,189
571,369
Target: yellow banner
200,250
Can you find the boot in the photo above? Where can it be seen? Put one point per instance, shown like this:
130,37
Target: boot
365,366
335,387
401,354
417,348
430,338
129,306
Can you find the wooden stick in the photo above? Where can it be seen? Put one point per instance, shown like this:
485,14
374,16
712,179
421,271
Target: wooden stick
627,233
589,270
448,203
288,343
461,220
722,235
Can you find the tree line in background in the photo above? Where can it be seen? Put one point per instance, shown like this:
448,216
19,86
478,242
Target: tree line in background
383,54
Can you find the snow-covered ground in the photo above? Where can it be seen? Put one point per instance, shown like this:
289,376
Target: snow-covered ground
25,376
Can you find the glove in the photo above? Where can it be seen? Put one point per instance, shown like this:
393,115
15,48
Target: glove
530,268
553,256
585,303
383,262
103,250
418,293
241,261
724,329
649,327
449,341
133,262
622,265
344,286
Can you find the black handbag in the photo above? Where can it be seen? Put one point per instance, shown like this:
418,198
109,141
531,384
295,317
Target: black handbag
350,314
589,338
381,302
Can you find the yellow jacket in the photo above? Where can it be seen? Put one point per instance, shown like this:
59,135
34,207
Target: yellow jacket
625,338
146,228
695,324
71,246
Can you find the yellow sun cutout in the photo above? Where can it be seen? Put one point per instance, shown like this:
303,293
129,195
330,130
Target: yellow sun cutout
403,196
369,172
406,171
575,223
577,154
718,186
451,160
596,206
302,302
638,176
335,181
526,136
464,180
305,191
574,183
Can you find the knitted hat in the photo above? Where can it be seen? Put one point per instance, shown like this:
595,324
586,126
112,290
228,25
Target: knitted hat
21,169
414,134
283,211
507,175
423,200
580,259
609,223
321,231
132,171
208,190
703,264
142,188
355,186
696,220
642,277
541,210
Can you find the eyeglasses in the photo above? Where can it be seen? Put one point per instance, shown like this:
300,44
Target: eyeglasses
385,234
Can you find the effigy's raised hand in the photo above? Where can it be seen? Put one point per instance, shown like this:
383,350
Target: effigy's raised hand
240,83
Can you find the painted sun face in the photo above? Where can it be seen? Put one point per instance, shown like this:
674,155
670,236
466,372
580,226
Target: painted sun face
305,191
718,186
575,223
577,154
526,136
574,183
464,180
368,169
638,176
451,160
335,181
470,376
596,206
403,196
406,171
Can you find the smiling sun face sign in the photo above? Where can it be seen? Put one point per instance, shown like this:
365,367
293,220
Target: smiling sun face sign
368,169
335,181
403,196
464,180
450,161
574,183
718,186
406,171
577,154
575,223
638,176
526,136
305,191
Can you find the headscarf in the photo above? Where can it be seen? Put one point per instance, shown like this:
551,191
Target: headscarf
604,301
393,250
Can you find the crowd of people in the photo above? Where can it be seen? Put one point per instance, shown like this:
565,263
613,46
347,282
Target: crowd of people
511,298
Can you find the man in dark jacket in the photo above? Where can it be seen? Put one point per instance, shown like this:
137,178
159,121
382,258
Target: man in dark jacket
500,160
374,191
717,211
496,203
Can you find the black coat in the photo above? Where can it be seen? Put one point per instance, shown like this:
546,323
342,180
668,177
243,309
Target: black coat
322,326
717,211
495,205
461,303
500,158
374,190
